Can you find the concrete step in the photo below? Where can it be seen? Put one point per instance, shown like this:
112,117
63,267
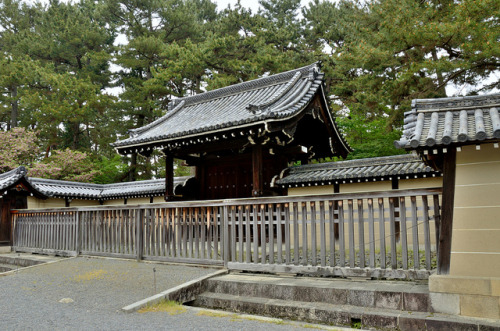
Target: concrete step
394,295
22,260
341,315
6,267
15,260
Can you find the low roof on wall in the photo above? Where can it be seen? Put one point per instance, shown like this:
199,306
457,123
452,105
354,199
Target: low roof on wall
353,171
451,121
50,188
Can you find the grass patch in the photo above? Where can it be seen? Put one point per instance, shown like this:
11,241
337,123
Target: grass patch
212,314
170,307
311,326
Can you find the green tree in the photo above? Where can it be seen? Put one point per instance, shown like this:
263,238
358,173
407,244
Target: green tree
66,165
150,27
19,148
402,50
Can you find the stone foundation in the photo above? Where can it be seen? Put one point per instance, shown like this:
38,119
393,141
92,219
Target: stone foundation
465,295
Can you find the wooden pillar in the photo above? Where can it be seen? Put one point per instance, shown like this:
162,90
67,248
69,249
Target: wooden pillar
169,176
257,169
444,249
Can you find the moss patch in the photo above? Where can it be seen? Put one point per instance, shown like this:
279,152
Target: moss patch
91,275
170,307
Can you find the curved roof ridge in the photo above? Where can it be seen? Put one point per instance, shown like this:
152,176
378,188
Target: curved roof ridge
20,171
277,95
443,104
246,86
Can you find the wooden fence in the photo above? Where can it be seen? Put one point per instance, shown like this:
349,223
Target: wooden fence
377,234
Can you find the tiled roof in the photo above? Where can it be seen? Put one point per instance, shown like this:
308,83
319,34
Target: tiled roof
361,170
271,98
12,177
68,189
451,121
59,188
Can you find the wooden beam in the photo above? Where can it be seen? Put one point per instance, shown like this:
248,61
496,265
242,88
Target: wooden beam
444,249
169,176
257,169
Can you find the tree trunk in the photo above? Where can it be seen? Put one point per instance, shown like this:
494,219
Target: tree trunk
15,107
76,135
442,89
133,168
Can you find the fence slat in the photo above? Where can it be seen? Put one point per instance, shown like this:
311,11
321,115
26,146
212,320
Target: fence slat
270,228
381,223
322,233
247,235
240,233
331,222
414,230
314,245
371,232
437,220
287,234
427,234
392,227
296,233
350,220
305,258
341,234
263,238
361,232
279,235
404,241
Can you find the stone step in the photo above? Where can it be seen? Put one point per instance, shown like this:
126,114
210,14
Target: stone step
6,267
340,315
24,260
395,295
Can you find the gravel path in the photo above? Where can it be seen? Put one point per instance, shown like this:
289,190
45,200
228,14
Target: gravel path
96,290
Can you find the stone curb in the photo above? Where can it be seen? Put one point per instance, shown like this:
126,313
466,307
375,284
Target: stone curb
182,293
266,319
7,273
5,249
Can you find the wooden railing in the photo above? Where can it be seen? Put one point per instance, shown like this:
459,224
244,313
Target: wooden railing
377,234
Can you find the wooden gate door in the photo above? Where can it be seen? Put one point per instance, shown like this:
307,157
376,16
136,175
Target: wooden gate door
5,203
8,202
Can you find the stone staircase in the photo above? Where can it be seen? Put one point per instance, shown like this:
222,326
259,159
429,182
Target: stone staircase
343,302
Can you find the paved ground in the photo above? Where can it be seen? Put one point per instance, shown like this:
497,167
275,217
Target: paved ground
87,294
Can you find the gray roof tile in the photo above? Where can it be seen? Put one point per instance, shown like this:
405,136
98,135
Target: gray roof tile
361,169
451,121
270,98
68,189
12,177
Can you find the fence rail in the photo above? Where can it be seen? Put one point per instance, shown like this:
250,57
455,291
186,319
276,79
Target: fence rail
377,234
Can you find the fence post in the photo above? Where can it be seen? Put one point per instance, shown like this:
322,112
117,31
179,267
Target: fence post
13,225
139,242
78,235
226,243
